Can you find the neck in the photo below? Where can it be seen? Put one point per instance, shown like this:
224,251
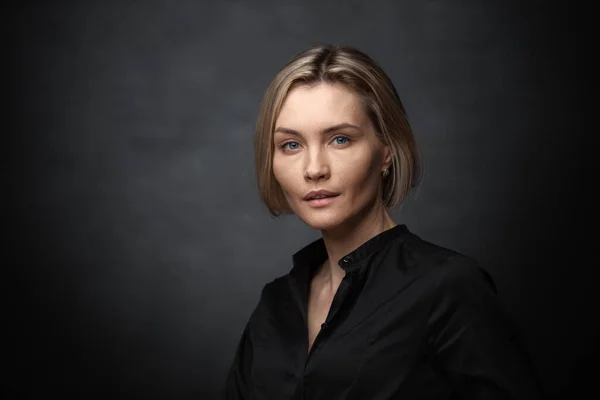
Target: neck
344,239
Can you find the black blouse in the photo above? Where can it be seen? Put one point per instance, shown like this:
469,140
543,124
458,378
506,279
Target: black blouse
410,320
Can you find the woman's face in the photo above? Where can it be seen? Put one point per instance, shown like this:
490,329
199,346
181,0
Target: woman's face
327,158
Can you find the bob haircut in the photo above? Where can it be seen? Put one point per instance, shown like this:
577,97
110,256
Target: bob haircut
358,72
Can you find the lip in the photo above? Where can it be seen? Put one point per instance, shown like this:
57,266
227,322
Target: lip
320,202
319,193
316,203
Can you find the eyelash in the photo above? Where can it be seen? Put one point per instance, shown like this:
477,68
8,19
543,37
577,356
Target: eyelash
347,140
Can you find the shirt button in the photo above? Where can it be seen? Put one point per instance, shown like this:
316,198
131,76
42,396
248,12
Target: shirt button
346,260
324,325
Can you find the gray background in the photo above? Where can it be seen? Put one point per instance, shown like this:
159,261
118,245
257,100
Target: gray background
134,230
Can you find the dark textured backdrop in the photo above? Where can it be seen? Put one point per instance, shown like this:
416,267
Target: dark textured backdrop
136,240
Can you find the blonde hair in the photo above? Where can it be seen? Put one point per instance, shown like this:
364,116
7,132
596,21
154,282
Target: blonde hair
358,72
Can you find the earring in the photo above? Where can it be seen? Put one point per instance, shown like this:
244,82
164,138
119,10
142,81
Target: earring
385,173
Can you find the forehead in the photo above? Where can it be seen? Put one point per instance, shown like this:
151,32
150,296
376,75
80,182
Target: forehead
324,104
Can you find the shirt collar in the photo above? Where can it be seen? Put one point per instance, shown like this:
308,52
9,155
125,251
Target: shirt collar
314,254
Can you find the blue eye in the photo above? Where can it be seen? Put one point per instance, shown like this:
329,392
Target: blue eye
340,140
290,145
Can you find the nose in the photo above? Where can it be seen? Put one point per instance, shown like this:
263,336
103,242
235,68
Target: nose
317,166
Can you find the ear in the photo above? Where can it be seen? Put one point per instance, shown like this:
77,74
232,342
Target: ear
387,157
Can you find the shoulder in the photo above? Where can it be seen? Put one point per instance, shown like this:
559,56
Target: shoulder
460,292
274,297
443,267
274,289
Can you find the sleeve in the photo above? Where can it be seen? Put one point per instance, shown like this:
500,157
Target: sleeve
475,344
237,384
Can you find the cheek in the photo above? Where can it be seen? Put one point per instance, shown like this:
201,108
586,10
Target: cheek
284,173
360,175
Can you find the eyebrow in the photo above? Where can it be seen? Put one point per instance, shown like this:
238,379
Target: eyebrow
324,131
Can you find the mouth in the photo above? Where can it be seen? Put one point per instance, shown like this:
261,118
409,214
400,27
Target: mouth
320,198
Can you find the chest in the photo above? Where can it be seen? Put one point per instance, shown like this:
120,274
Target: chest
366,342
319,305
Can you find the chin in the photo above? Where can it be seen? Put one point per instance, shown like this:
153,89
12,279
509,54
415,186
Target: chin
322,221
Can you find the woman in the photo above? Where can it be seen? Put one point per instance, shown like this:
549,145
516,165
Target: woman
370,310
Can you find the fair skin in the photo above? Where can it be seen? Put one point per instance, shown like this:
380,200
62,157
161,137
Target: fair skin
324,140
